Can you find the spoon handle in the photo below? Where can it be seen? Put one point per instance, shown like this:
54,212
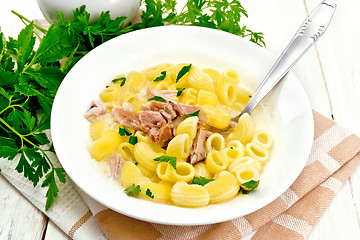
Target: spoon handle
310,31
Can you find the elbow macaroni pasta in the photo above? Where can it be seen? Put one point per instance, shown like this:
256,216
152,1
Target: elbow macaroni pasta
233,156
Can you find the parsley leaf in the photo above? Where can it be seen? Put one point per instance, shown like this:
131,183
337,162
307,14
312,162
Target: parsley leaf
157,98
149,193
201,181
169,159
25,45
124,131
133,140
249,186
160,78
179,92
122,79
183,71
194,114
133,190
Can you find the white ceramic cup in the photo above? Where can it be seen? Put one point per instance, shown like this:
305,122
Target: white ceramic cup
117,8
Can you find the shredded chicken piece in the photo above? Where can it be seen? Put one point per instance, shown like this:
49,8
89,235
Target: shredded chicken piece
116,162
189,109
151,120
96,109
154,124
166,110
198,151
165,135
125,117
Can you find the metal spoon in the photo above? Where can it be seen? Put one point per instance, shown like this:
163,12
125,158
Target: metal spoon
310,31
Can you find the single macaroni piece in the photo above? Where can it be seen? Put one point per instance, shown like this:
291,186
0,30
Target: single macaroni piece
111,93
247,173
160,190
198,80
216,161
223,188
219,117
151,124
215,75
188,126
233,153
189,96
216,141
128,99
244,161
207,98
105,145
145,154
263,138
258,153
135,81
183,172
179,147
244,131
126,151
186,195
131,174
226,87
98,127
243,95
201,170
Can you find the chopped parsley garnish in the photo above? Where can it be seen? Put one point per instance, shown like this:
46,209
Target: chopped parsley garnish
124,131
160,78
149,194
201,181
133,140
133,190
182,72
157,98
122,79
169,159
136,163
250,96
179,92
249,186
231,147
194,114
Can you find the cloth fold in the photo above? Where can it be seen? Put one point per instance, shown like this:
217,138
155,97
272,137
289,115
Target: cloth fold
334,156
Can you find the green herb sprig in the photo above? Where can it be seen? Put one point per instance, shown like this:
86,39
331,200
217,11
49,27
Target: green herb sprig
30,76
201,181
132,189
168,159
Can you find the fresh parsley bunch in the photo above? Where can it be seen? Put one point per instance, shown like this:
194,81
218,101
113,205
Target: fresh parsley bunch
30,77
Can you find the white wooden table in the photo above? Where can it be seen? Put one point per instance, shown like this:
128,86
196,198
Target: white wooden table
330,74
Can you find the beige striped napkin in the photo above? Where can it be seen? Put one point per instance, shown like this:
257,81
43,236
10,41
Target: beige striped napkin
334,156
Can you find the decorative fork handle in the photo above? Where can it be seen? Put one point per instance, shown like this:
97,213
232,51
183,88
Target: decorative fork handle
310,31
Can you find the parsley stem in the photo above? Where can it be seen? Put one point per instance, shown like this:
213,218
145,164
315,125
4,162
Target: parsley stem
22,137
44,31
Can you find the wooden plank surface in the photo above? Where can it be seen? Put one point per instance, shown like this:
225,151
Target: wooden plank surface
330,74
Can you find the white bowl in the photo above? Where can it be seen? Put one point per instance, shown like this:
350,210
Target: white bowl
117,8
291,121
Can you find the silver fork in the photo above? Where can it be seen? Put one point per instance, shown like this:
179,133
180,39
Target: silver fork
310,31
